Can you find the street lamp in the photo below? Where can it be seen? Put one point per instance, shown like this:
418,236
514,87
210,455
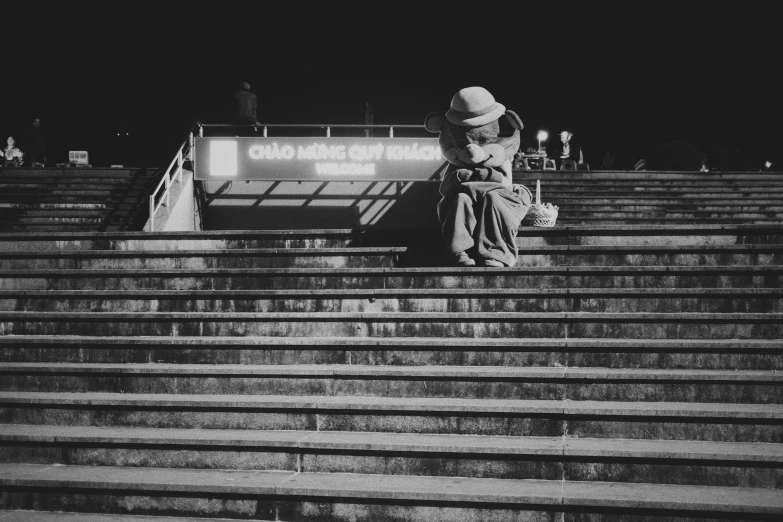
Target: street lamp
542,136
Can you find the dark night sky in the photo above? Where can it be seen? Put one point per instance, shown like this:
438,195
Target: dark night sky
626,75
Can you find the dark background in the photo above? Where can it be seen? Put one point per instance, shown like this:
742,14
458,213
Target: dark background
626,76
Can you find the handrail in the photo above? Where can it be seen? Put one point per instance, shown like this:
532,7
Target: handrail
183,153
185,150
327,126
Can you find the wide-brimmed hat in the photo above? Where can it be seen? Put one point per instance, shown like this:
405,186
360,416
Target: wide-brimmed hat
474,107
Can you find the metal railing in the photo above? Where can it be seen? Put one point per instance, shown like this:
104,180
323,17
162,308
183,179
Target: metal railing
326,126
172,172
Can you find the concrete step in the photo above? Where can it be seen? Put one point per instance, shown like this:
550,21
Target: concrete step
663,221
400,324
46,199
621,214
79,172
476,382
84,212
754,354
614,300
758,465
80,182
24,220
555,185
539,418
56,228
629,277
614,235
62,516
12,193
289,257
49,207
556,255
638,176
271,493
745,208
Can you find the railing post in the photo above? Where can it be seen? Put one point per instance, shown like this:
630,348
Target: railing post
200,131
179,170
152,213
391,132
328,132
168,185
265,131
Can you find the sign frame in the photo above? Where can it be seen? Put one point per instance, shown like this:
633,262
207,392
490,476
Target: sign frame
318,159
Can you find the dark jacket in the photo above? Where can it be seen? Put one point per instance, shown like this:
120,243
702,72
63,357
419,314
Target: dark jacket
245,107
34,144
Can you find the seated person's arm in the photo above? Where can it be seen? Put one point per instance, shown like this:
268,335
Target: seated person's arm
492,174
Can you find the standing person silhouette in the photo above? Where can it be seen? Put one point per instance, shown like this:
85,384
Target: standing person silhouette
245,106
34,144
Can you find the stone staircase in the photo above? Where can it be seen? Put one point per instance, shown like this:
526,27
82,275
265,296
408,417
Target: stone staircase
608,197
66,200
619,372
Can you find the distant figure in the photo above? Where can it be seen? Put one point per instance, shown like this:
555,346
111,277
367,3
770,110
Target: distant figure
519,161
571,150
245,106
609,160
12,156
34,144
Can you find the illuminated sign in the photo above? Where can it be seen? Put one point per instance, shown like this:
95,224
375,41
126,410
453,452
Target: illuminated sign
79,157
383,159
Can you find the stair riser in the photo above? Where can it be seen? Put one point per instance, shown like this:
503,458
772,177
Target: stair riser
387,260
542,425
543,389
762,279
22,219
591,217
447,356
535,238
643,218
702,304
619,199
310,327
267,261
70,199
696,215
253,508
502,466
668,207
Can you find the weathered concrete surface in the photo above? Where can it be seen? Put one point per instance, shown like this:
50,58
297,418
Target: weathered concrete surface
380,490
398,381
655,370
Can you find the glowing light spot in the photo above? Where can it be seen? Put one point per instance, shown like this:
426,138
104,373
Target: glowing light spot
223,158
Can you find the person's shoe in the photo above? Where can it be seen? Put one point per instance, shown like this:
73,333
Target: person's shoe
493,263
463,259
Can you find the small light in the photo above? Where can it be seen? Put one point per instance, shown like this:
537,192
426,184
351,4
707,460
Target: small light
768,164
542,136
118,134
